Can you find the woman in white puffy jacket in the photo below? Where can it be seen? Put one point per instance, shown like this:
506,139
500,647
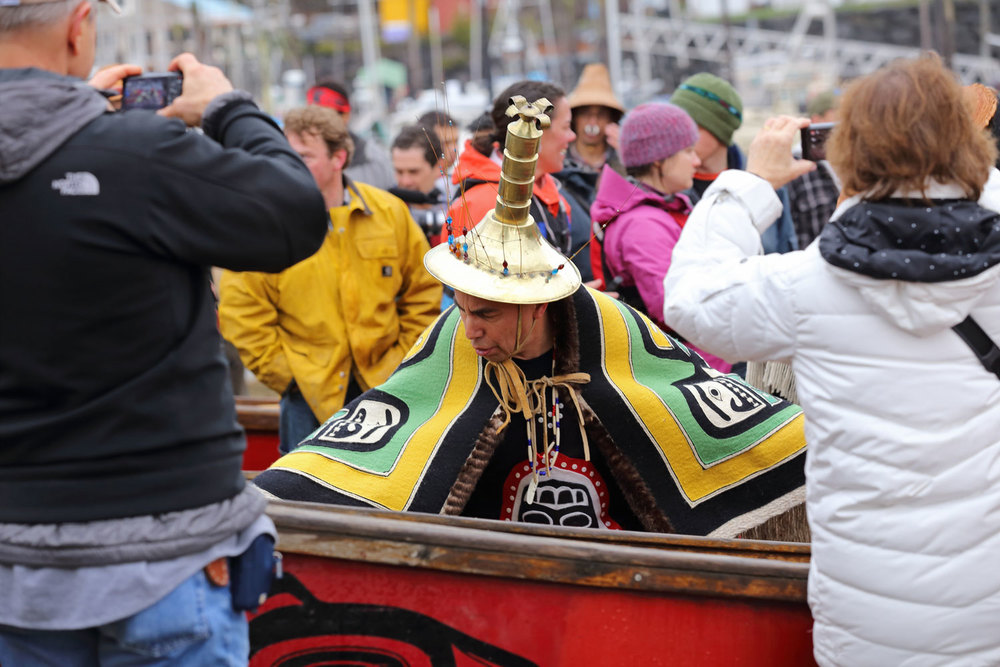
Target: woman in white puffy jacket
902,416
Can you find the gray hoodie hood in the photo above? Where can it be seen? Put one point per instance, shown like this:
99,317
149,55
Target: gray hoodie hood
39,111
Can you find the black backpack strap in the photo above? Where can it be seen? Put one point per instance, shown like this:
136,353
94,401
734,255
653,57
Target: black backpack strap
557,226
469,183
982,345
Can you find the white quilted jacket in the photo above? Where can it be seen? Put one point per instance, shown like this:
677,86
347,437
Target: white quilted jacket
902,421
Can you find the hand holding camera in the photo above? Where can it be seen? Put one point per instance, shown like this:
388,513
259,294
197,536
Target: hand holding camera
770,154
202,84
110,78
183,92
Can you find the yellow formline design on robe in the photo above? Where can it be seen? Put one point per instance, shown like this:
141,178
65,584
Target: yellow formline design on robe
694,481
395,490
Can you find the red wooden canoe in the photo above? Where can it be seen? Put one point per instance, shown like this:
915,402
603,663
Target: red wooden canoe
259,418
380,588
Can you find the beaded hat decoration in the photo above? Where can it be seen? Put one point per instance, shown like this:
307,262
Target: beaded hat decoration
504,258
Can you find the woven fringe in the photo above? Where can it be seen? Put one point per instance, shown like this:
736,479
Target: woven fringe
789,526
778,379
774,377
784,530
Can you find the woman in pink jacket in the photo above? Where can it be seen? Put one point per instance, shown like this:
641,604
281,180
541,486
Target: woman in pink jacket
645,211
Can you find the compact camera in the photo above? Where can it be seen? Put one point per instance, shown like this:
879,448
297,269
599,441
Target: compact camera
151,91
814,141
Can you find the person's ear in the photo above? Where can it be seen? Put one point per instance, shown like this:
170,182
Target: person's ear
539,311
339,158
655,171
80,15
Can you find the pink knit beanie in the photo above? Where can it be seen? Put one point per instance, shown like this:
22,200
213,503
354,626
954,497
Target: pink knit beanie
655,131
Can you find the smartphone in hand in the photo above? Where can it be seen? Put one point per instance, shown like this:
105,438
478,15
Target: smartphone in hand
151,91
814,141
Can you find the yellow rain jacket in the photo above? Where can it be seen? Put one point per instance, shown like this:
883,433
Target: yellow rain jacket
356,306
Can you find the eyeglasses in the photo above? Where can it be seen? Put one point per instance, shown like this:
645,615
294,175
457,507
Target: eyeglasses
707,94
113,4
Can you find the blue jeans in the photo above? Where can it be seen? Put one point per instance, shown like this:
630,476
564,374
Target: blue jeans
193,625
296,421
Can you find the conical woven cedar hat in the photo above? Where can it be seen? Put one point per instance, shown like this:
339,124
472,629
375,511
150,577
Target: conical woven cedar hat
504,258
594,87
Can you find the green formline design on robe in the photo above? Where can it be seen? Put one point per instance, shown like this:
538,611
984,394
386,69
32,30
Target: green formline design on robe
420,386
660,375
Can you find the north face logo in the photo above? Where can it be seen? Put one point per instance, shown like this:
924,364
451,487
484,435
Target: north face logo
77,183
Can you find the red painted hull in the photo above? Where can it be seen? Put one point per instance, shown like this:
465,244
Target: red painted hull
389,589
261,451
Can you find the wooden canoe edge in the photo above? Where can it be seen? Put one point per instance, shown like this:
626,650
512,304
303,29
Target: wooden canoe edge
258,414
676,566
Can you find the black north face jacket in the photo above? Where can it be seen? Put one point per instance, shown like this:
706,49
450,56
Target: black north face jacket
114,397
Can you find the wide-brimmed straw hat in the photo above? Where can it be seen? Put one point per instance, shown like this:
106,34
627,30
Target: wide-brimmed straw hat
594,87
504,258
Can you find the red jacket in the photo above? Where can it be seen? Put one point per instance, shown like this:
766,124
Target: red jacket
472,203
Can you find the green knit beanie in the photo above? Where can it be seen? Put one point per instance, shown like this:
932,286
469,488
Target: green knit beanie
712,103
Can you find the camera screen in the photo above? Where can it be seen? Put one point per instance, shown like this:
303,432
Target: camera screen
814,141
149,92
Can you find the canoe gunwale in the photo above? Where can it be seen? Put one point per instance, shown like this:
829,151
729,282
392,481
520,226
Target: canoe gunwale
642,562
258,414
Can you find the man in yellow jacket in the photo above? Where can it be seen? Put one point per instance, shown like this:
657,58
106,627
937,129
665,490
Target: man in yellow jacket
336,324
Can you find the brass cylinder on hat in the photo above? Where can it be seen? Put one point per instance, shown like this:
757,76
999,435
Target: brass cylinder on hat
521,146
517,174
512,213
505,258
519,169
512,191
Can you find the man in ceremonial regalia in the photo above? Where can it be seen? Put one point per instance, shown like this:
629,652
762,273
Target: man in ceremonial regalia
535,399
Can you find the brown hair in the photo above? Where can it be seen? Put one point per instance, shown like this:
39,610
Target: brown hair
905,124
422,137
323,122
531,91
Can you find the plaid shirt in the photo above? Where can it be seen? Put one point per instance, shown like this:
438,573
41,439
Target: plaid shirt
813,199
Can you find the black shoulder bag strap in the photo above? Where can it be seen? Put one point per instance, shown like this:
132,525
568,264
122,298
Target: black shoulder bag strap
982,345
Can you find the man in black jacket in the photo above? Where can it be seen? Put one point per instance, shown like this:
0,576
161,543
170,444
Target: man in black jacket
120,453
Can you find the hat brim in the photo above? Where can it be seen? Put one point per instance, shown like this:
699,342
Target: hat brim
596,99
536,271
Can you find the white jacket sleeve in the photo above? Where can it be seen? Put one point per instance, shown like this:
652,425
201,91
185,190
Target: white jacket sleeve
990,197
720,293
